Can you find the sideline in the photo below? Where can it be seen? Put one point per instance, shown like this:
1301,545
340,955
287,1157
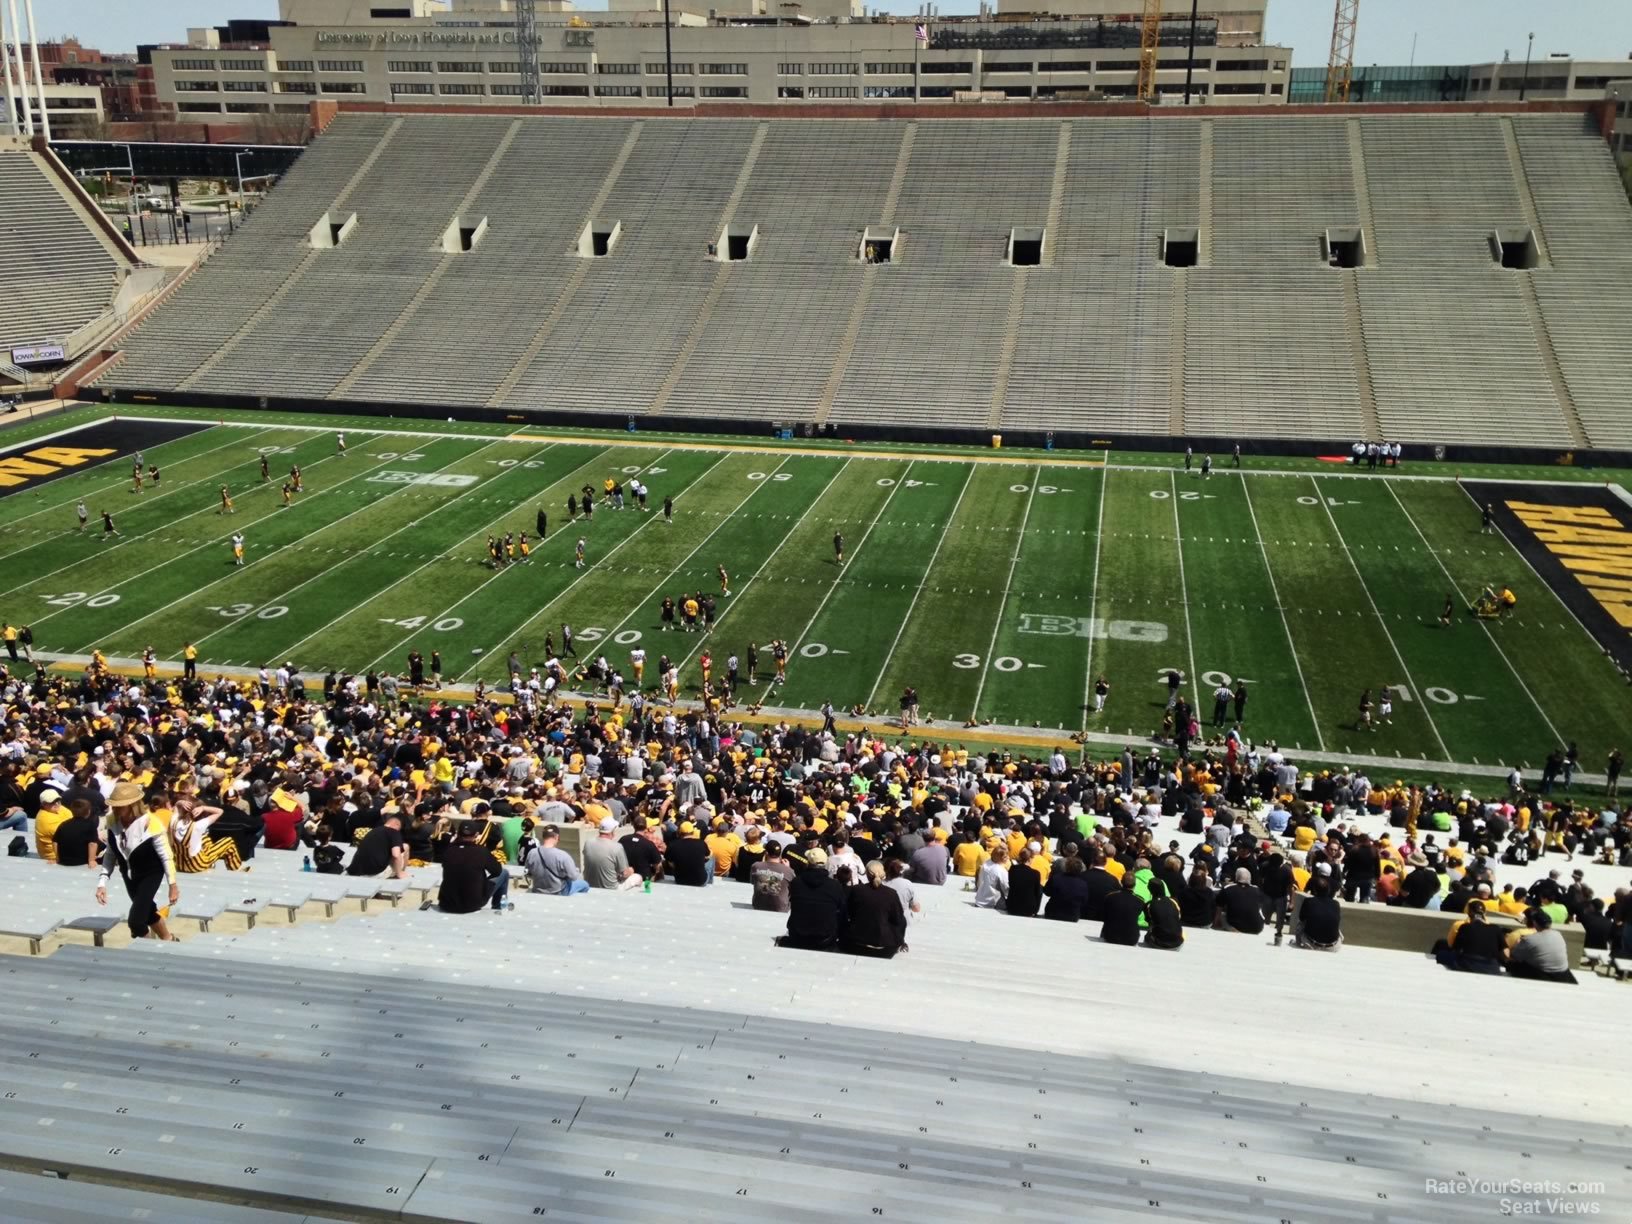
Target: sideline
1099,459
1036,738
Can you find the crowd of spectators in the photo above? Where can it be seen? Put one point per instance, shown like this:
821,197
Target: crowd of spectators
839,832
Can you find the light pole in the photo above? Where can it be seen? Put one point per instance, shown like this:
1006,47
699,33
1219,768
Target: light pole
1524,83
238,160
668,51
130,182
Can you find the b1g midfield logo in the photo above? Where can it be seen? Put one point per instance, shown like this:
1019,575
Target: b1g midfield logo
1093,627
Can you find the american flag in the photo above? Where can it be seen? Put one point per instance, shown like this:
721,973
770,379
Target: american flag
921,32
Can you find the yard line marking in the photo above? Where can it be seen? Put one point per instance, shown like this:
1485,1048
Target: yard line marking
668,573
1483,625
1274,590
769,557
215,474
1184,595
213,540
1093,599
1520,552
435,557
1359,577
911,607
118,485
1003,599
283,596
233,571
834,585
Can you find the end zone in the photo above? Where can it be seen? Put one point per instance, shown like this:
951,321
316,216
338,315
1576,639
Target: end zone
1578,539
37,461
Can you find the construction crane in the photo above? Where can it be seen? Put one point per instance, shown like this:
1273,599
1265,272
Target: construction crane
1340,64
1150,41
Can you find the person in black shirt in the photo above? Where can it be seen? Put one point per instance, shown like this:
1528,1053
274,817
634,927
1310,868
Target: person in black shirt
690,862
1421,884
1320,918
1197,900
876,925
643,855
1101,884
1025,888
471,876
326,856
1166,929
382,849
1123,909
1241,906
1067,891
77,842
818,909
1476,945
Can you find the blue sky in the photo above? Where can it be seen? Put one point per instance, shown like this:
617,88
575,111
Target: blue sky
1447,31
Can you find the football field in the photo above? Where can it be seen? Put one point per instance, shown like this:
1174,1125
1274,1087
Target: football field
1000,586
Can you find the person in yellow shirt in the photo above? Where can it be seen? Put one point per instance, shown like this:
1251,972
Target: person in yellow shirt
9,632
1513,903
1016,841
967,858
442,772
1115,867
51,814
723,844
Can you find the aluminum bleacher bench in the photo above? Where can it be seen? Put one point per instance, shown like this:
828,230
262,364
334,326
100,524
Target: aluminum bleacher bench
203,911
250,908
97,924
290,900
35,1198
36,931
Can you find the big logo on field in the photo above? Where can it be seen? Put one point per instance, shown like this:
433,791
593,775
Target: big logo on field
25,465
1579,539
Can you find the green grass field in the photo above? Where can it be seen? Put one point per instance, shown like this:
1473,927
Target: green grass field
999,585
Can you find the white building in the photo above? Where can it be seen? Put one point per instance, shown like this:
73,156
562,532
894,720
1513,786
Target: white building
750,51
71,108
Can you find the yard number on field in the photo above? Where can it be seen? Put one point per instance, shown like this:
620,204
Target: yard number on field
446,625
1006,663
69,598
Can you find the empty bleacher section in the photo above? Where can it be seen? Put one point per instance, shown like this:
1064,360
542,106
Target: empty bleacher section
1278,185
1096,342
1439,186
1586,298
1431,341
481,316
618,336
56,273
220,297
1270,356
776,329
342,299
927,352
1457,351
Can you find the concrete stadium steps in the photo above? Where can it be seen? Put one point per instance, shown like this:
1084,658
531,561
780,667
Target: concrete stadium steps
1259,358
56,275
1580,202
489,1075
1439,186
1278,185
1454,359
